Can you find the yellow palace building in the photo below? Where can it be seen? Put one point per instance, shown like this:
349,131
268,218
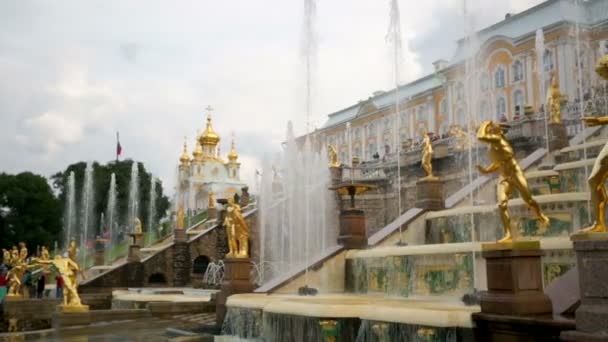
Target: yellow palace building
500,64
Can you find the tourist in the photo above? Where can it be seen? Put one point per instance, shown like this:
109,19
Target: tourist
3,288
40,286
59,287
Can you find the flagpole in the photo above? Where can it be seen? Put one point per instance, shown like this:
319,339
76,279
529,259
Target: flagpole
117,144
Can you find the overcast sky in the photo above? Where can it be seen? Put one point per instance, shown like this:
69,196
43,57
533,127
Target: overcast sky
75,72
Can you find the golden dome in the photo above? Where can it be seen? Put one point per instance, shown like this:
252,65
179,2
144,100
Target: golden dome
209,137
232,155
198,152
185,158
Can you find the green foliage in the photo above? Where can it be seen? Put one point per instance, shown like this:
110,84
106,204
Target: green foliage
29,211
101,183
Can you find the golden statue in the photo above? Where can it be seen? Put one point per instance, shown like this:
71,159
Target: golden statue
22,252
72,249
511,176
600,168
427,156
137,226
14,256
461,136
237,231
181,218
44,253
333,156
211,200
554,96
14,277
6,256
68,269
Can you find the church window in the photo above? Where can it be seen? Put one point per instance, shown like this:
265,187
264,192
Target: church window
518,101
501,108
518,71
499,77
548,60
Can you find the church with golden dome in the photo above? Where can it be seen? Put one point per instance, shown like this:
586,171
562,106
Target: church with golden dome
205,174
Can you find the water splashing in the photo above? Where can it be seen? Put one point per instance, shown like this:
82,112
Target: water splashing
87,208
152,207
309,53
133,206
70,213
111,221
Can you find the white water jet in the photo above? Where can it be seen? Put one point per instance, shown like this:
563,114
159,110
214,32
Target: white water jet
70,210
111,213
309,53
87,206
297,211
152,207
133,205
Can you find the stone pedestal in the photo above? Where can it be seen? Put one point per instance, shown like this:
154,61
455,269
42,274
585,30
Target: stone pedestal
212,213
429,194
63,319
138,239
353,234
134,253
592,263
236,280
514,278
179,235
100,252
336,174
181,263
558,136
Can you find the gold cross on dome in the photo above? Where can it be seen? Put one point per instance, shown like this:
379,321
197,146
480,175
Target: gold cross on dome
209,109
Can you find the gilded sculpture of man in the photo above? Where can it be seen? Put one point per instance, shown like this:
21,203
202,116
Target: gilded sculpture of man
600,168
137,226
6,256
44,253
181,218
72,249
511,176
333,156
14,277
68,269
427,157
14,256
22,252
237,231
211,203
554,97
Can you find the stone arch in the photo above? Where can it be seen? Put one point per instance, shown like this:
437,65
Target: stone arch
157,279
200,263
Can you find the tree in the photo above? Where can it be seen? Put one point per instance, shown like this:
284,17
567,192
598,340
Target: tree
29,211
101,184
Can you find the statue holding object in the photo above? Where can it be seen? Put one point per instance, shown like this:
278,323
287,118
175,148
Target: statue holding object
427,157
511,176
237,231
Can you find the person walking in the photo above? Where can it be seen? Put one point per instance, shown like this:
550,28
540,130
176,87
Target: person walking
2,284
40,286
59,287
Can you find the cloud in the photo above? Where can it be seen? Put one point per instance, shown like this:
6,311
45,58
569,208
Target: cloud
75,73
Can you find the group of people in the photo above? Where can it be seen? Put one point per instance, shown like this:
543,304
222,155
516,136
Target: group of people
20,278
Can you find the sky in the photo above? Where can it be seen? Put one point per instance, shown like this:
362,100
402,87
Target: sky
76,72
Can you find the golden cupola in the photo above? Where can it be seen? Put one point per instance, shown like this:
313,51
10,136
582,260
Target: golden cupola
232,155
197,154
209,137
184,159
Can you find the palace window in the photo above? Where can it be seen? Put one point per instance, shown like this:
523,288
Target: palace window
403,119
484,110
444,107
357,152
501,108
484,82
421,116
499,77
518,71
548,60
370,130
357,133
518,102
460,91
460,119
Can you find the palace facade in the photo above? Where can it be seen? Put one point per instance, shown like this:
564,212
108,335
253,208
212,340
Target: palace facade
492,76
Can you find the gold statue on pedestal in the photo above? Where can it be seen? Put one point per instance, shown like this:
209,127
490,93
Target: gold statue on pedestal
600,168
22,252
427,157
211,203
333,156
68,269
72,249
511,176
181,218
554,97
14,277
237,231
137,226
14,256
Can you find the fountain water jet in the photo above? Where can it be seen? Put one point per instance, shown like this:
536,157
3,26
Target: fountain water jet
70,212
133,206
87,208
152,208
111,210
